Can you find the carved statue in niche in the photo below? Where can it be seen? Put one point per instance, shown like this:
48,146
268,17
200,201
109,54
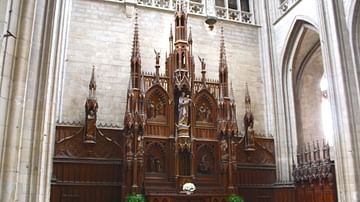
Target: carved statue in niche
154,164
160,108
151,113
129,143
203,113
140,147
155,108
183,108
249,128
204,166
224,149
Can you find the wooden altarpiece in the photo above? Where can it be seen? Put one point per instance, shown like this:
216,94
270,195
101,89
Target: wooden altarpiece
180,129
177,129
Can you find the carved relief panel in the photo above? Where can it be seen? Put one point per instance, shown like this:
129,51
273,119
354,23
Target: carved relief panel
206,159
205,109
156,105
155,158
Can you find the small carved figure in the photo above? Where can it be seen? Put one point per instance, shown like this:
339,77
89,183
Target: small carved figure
160,108
203,113
155,164
157,57
140,148
151,112
91,107
183,108
224,149
204,165
248,127
129,143
203,64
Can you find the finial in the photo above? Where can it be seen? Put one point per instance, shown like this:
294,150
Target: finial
171,33
129,85
232,97
142,85
136,45
92,84
190,36
247,95
223,63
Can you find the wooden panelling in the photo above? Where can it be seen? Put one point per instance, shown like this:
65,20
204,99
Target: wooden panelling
87,172
182,197
284,193
85,193
206,133
250,175
157,130
86,180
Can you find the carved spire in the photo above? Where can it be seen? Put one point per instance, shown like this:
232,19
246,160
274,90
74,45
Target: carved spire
135,56
92,84
247,98
190,41
171,41
223,71
232,97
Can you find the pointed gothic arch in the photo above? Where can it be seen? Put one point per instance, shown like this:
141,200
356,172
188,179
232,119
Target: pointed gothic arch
205,107
155,158
302,71
156,104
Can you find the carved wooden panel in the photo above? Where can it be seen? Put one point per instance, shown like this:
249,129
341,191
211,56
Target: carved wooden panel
205,109
86,180
205,160
69,143
259,193
158,160
155,157
84,172
316,192
205,133
256,175
284,193
263,154
156,130
157,104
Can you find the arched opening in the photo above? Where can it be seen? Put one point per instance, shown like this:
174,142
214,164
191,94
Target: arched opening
308,106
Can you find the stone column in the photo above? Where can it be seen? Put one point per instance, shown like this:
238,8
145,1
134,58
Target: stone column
15,119
7,49
343,97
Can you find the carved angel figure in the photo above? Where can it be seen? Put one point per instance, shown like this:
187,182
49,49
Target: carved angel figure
157,57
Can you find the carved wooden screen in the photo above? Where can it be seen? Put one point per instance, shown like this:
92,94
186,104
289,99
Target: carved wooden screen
84,172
